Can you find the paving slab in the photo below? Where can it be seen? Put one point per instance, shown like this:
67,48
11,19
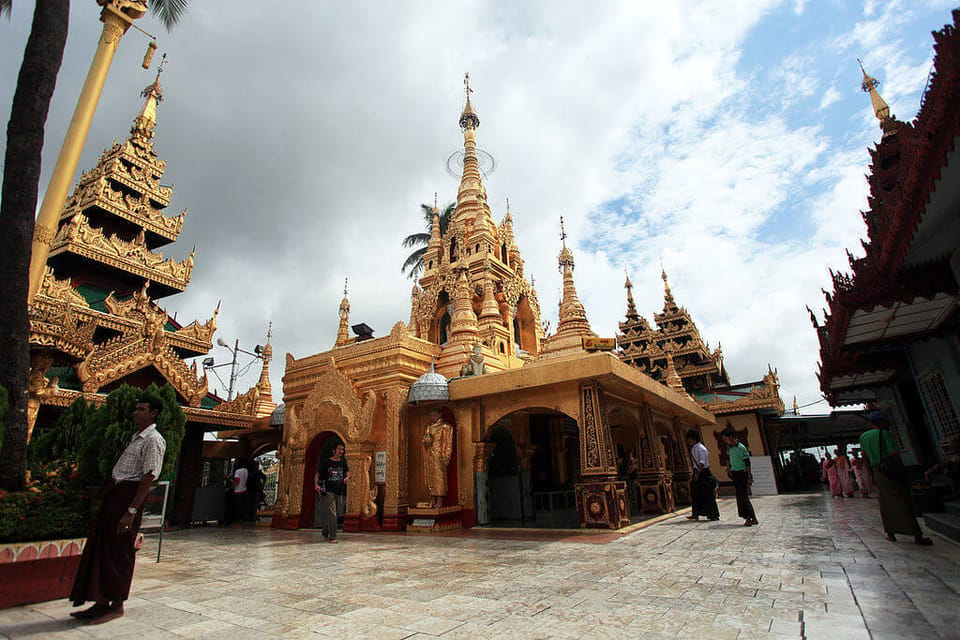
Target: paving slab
814,567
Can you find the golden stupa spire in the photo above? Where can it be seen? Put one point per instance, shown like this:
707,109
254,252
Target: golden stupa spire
881,110
472,195
146,120
343,331
464,320
573,325
265,403
631,306
673,377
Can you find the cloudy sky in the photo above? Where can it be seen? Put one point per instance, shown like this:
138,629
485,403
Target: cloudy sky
728,139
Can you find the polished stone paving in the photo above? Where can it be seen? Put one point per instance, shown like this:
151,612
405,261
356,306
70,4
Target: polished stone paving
816,567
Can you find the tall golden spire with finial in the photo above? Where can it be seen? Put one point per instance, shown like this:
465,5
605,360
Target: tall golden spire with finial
146,120
472,195
573,325
343,331
881,110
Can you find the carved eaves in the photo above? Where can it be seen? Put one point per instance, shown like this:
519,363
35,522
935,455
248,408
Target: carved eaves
79,238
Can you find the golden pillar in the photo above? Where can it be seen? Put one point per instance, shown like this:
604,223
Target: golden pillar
117,16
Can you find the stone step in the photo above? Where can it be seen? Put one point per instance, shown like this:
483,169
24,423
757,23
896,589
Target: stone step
947,524
952,508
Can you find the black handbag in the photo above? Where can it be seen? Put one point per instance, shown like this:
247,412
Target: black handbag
891,466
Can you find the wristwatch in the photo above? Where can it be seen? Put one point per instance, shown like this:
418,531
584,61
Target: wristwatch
132,511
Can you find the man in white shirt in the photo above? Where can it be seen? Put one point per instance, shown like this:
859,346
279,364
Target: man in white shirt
106,567
237,499
703,485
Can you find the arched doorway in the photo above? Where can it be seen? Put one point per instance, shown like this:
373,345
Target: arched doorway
531,471
320,448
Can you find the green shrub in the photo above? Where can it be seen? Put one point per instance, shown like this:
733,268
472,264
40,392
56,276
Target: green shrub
111,428
53,507
77,453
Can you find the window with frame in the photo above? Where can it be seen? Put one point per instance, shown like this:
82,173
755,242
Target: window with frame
941,406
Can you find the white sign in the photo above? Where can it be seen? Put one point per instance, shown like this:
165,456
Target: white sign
380,467
764,484
424,522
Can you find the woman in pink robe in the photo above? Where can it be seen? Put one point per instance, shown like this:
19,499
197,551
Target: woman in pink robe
843,470
830,474
861,469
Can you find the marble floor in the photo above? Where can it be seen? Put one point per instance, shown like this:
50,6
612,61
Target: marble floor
815,568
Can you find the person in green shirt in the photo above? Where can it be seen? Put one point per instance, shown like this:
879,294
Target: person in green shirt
896,511
739,471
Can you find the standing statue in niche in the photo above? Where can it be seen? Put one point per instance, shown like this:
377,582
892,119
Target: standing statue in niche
474,366
437,449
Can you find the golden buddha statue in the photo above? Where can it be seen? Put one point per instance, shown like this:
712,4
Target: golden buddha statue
437,447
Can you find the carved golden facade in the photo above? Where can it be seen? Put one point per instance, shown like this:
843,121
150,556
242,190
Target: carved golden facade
561,413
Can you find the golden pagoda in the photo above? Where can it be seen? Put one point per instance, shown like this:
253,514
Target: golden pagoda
95,323
532,429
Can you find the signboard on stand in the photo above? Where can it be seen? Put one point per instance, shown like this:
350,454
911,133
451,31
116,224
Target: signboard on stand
764,482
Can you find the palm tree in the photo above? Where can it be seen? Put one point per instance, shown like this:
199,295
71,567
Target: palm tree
18,205
413,265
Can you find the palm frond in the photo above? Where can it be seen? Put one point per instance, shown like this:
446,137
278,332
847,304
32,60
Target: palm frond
413,265
416,240
168,12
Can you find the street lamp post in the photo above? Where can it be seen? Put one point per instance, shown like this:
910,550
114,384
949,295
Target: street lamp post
117,17
235,350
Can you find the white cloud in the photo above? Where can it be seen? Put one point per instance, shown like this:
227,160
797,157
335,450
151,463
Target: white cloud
304,141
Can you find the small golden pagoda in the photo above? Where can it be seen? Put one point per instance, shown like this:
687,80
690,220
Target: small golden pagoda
530,429
95,323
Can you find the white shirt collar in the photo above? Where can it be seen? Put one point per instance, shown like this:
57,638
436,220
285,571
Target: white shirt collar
143,434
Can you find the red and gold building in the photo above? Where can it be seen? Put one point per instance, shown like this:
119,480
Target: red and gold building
890,334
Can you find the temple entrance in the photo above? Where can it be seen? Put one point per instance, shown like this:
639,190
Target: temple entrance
320,448
533,465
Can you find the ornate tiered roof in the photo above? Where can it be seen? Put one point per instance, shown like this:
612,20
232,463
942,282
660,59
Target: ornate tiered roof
674,350
95,319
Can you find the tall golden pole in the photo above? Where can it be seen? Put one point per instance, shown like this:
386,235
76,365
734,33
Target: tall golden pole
117,16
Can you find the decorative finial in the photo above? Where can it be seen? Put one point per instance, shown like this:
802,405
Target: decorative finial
508,205
163,63
869,82
466,85
881,110
346,282
563,234
435,200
